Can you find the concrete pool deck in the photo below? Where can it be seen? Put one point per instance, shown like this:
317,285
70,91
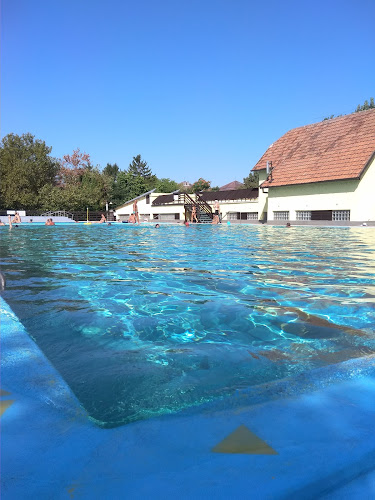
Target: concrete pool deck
310,437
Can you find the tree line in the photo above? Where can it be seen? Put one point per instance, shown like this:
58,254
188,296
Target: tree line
33,179
364,107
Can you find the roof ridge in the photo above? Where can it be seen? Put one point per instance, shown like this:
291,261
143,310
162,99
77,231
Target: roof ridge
331,120
338,148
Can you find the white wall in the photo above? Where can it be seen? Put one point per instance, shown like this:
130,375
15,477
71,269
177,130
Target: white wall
147,210
169,210
364,197
354,195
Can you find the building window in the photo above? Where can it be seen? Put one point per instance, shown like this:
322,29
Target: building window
281,215
321,215
169,217
242,215
340,214
303,215
147,199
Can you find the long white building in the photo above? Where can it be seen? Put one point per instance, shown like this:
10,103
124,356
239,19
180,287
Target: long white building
321,172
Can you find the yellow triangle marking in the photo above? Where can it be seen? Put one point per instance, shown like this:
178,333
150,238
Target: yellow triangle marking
242,440
4,405
4,393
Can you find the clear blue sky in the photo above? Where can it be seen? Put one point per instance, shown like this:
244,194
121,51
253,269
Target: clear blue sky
197,87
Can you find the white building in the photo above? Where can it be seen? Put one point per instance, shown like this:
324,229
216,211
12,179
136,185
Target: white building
236,205
321,172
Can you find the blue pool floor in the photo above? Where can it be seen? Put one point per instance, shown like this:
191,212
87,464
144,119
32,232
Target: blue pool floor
314,443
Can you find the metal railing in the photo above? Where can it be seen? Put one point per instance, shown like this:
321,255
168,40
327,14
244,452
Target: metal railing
199,203
203,205
58,213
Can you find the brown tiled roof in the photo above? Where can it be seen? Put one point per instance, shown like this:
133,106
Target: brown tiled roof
232,185
335,149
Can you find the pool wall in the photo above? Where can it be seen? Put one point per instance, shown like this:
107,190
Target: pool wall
310,437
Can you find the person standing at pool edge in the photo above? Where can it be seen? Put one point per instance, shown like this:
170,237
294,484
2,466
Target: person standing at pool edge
135,210
217,210
194,214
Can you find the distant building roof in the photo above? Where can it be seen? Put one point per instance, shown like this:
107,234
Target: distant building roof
232,185
234,194
340,148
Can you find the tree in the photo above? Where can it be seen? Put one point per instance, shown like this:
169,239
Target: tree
94,189
59,198
366,105
200,185
252,180
72,167
111,171
25,167
166,185
127,187
138,167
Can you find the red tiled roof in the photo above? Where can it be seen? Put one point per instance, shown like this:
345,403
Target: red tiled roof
334,149
232,185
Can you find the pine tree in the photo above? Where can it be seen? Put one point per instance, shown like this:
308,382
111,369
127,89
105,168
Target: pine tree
138,167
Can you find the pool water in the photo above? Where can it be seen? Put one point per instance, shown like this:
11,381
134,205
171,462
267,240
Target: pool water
143,321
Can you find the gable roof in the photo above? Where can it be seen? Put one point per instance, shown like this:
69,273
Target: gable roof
232,185
336,149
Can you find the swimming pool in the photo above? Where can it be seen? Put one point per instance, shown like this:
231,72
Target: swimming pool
143,321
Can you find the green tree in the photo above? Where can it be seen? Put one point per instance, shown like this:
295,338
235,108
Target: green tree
166,185
111,171
94,190
127,187
61,198
200,185
25,167
252,180
138,167
366,105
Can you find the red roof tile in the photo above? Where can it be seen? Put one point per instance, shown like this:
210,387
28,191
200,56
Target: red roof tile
232,185
330,150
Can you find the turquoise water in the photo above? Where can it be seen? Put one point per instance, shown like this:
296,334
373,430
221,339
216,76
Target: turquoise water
143,321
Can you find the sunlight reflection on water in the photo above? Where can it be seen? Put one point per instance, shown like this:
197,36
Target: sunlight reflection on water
142,321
